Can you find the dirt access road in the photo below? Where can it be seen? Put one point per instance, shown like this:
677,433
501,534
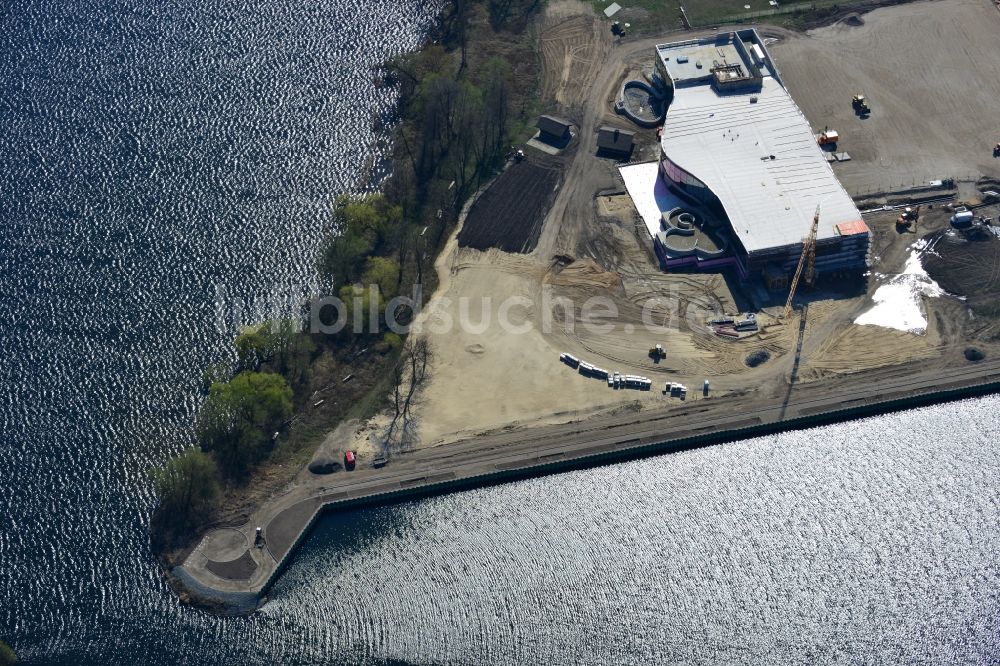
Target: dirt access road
498,401
484,378
224,568
929,71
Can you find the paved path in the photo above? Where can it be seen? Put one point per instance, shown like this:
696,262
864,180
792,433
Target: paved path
286,518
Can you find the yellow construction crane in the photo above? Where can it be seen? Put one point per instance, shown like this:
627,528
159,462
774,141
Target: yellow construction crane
808,256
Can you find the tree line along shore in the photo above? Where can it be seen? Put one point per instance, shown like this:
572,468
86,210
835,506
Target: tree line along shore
463,99
7,656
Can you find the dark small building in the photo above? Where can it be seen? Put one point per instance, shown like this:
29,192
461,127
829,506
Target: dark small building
615,142
553,130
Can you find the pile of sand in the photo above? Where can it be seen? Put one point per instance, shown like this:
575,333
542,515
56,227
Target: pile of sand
585,273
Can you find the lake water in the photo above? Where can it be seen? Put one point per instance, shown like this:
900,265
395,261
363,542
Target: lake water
155,154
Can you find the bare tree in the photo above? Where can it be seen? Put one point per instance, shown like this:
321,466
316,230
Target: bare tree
408,375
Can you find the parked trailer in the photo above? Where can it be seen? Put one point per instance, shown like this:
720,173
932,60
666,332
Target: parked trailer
586,368
600,373
570,360
963,218
638,382
675,389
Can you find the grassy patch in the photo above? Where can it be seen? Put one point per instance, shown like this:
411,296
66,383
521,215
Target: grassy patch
662,15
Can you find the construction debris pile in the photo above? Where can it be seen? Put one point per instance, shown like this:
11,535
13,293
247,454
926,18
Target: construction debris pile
735,327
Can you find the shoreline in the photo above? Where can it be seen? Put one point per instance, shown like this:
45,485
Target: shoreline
170,548
514,455
511,453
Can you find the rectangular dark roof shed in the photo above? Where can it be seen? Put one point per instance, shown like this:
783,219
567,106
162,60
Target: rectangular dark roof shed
615,140
552,128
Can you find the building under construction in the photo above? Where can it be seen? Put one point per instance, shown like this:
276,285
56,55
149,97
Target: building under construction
741,171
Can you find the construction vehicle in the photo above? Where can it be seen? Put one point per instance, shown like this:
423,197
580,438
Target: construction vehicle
962,217
657,353
909,217
860,105
828,137
808,256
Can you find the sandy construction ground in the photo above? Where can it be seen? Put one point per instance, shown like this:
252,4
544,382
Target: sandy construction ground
486,378
929,70
499,320
573,49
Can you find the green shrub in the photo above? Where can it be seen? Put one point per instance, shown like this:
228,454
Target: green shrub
7,656
393,341
239,416
186,485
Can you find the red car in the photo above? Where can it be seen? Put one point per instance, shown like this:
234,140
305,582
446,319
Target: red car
349,460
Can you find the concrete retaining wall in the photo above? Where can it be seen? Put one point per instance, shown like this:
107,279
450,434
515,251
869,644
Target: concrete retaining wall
633,450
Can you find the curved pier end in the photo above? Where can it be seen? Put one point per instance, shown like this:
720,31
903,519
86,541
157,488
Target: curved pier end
228,570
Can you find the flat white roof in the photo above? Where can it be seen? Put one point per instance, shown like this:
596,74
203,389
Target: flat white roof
650,194
726,141
693,59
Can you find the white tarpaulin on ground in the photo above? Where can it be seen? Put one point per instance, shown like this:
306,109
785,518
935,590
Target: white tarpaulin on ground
899,302
612,9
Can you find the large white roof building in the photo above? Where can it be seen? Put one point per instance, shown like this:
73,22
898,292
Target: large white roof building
761,160
735,142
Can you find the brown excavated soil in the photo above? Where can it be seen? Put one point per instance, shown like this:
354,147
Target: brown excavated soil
967,263
508,216
585,273
573,47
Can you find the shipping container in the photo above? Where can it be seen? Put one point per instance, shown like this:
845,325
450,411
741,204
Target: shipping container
569,360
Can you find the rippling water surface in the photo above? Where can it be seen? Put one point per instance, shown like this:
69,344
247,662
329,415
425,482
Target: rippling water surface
866,542
155,153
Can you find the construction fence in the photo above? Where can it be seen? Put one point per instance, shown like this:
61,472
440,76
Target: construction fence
749,17
907,183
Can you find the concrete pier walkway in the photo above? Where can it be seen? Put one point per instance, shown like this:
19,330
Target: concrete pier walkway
226,564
